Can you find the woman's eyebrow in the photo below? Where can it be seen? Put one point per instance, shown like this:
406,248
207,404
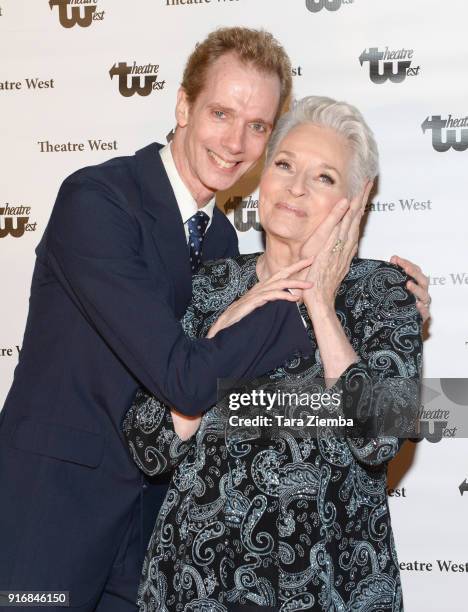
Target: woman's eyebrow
284,152
328,167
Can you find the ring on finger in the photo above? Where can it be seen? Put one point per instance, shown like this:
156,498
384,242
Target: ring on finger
339,246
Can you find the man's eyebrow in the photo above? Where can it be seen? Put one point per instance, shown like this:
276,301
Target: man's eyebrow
260,120
221,107
227,109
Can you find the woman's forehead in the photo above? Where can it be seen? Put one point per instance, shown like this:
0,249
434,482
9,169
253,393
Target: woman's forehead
314,141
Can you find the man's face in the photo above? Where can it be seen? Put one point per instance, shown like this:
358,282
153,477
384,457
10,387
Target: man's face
226,129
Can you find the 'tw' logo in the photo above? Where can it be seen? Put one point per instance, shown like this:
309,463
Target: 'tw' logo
17,231
122,70
75,18
374,57
314,6
437,124
238,206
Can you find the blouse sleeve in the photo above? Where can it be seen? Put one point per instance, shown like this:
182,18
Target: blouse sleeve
380,392
154,445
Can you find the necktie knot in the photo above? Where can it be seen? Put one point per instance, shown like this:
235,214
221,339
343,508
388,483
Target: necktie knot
197,223
196,226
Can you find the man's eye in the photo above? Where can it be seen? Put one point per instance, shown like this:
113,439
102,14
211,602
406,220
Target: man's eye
219,114
259,127
326,178
281,163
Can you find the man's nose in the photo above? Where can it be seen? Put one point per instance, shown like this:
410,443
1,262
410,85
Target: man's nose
234,139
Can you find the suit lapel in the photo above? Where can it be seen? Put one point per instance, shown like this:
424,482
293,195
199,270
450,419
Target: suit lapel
168,228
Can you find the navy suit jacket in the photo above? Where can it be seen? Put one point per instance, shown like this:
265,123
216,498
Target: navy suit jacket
111,281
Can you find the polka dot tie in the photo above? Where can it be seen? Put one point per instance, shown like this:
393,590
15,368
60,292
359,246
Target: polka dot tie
197,227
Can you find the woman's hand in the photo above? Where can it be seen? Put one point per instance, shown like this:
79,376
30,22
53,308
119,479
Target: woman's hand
329,268
273,288
332,262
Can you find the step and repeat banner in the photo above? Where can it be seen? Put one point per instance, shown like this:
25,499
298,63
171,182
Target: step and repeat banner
85,80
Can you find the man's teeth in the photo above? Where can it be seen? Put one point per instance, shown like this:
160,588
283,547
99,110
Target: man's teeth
220,161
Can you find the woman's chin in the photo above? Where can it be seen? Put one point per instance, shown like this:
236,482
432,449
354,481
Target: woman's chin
287,232
285,237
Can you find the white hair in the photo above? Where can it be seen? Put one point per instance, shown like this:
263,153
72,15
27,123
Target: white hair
346,120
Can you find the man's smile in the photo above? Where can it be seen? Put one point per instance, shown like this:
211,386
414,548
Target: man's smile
222,163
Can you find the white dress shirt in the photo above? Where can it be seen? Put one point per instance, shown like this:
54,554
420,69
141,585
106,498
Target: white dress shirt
185,200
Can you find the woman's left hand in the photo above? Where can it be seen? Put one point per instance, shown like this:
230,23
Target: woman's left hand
331,264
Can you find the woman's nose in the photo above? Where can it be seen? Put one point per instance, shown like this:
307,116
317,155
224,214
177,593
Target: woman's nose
297,187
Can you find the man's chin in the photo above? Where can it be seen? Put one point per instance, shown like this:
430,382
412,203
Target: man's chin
221,183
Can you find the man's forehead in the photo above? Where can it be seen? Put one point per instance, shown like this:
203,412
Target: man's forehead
242,86
229,69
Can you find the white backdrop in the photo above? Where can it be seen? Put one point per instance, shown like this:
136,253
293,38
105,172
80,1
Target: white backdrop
60,110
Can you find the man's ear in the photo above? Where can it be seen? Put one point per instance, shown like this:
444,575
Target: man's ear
182,108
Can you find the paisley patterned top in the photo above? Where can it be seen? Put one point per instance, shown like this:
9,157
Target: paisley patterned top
295,521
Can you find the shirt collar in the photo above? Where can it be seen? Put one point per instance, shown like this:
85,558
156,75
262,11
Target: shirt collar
185,201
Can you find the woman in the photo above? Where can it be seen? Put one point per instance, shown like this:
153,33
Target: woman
290,518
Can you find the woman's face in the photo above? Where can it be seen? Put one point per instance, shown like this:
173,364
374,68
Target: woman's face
306,178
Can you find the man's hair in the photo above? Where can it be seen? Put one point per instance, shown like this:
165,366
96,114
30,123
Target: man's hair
256,48
346,120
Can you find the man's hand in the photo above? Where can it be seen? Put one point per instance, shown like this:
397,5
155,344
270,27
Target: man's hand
420,289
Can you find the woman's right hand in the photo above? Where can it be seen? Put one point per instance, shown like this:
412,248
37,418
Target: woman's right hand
273,288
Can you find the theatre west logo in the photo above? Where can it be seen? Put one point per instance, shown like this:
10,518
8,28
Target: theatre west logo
450,133
141,79
77,12
249,220
315,6
389,65
14,221
403,204
441,565
10,351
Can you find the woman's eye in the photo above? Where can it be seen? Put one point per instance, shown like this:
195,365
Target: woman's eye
326,178
281,163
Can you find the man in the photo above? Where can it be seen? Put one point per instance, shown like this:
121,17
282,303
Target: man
112,278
